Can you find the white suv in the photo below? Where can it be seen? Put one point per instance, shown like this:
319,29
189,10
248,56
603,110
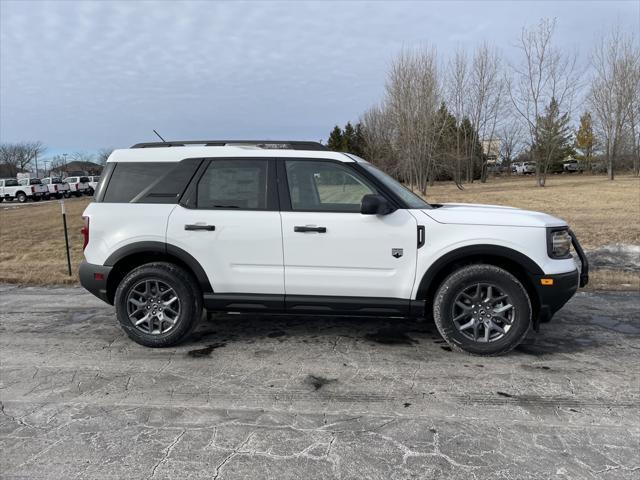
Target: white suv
291,227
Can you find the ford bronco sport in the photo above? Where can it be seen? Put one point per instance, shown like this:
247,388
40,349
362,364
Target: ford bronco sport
290,227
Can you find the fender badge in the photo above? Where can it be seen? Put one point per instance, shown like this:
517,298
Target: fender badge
397,252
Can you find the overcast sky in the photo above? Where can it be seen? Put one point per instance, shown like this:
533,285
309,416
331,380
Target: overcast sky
86,75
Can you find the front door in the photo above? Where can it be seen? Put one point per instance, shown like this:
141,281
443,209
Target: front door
330,248
231,226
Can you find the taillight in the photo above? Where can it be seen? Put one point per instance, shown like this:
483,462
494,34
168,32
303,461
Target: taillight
85,232
77,186
55,188
33,189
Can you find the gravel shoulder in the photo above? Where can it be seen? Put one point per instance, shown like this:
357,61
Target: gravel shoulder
313,397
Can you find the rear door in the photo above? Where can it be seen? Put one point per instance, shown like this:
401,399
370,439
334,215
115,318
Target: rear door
228,220
330,248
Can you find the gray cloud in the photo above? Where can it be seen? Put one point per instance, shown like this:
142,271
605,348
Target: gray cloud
81,75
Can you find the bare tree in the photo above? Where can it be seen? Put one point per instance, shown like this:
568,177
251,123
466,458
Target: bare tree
19,157
457,93
413,94
511,144
545,73
486,94
614,93
377,131
103,155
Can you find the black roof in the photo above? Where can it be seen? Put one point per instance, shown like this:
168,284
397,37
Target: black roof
271,144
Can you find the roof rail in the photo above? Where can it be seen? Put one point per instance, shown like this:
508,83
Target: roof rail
269,144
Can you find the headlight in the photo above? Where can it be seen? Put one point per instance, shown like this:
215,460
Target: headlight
558,242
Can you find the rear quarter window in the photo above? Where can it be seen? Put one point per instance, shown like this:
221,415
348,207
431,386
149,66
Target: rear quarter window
148,182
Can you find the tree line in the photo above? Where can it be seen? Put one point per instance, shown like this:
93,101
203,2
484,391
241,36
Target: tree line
447,118
28,156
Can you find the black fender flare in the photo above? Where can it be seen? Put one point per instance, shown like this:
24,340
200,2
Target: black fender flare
162,249
488,252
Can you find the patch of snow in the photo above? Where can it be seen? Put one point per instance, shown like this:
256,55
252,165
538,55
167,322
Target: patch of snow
616,256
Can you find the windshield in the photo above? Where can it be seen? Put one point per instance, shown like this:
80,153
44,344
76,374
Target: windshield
410,198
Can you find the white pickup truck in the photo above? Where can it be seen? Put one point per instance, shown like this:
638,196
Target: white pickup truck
78,186
10,189
57,188
93,183
524,168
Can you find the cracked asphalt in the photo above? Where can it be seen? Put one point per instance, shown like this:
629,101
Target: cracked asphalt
303,397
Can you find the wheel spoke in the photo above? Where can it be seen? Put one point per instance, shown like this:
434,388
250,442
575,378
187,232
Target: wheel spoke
463,306
503,319
503,309
489,293
137,303
469,324
142,320
170,301
496,327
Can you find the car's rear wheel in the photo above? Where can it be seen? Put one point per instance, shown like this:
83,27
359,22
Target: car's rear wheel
158,304
21,197
482,310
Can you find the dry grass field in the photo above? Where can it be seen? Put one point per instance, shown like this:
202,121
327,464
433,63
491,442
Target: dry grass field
599,211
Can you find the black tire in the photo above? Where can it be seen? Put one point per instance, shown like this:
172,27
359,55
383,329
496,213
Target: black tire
22,198
466,278
186,289
36,199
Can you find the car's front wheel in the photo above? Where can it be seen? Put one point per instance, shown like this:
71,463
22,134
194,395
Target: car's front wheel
158,304
482,310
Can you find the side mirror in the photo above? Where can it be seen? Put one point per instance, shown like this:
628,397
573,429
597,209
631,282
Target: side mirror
374,204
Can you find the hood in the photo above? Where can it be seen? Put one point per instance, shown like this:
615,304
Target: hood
477,214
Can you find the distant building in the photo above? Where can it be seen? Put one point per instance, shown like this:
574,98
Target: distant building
491,148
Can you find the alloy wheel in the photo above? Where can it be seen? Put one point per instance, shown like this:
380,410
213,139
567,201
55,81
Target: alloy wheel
153,306
482,312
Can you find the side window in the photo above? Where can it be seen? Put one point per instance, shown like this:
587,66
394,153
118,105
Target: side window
325,186
129,179
238,184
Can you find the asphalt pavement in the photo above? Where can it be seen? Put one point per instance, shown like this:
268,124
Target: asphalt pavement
292,397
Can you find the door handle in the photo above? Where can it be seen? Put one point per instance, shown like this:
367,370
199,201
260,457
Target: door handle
209,228
305,228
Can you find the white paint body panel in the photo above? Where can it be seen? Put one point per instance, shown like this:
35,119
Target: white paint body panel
353,258
442,238
115,225
242,255
476,214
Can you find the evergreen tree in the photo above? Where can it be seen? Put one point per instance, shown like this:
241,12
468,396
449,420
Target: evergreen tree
358,147
336,140
553,141
348,138
585,139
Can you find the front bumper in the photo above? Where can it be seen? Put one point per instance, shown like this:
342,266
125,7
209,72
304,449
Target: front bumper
94,279
552,297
